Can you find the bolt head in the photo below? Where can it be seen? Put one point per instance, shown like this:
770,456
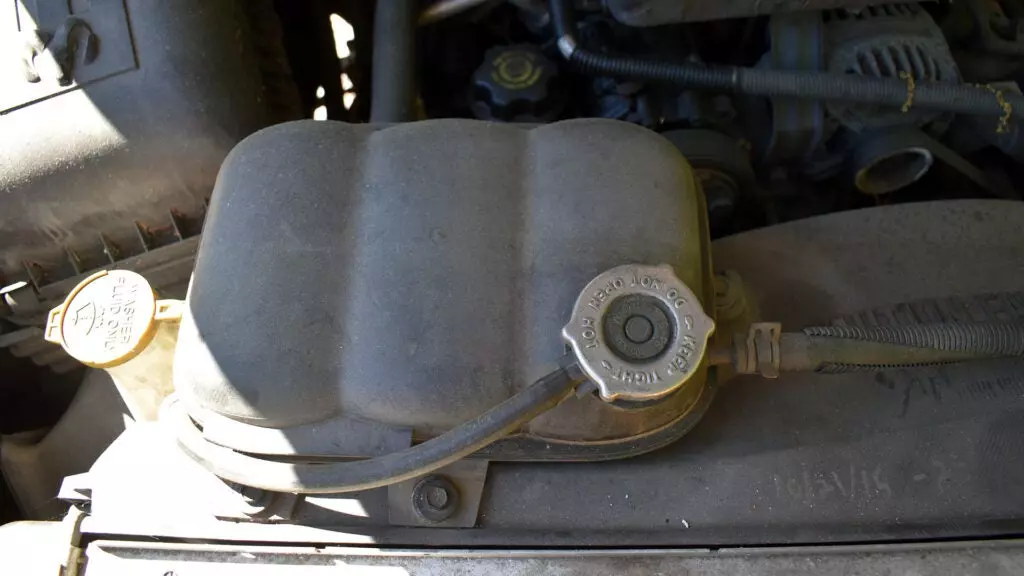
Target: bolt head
435,498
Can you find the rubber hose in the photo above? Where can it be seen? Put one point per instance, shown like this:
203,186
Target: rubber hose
393,90
961,98
443,9
830,368
984,339
335,477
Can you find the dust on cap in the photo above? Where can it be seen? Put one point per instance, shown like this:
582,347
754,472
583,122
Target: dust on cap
107,320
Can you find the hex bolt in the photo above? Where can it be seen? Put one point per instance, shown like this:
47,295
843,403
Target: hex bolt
435,498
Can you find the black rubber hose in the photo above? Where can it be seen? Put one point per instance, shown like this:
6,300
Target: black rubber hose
997,339
335,477
837,349
896,92
393,92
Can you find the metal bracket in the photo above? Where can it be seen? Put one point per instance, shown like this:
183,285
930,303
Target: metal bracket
797,125
75,561
466,477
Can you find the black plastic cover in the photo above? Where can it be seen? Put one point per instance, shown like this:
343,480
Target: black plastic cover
517,84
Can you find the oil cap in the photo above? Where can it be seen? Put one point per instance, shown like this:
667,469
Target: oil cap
517,84
109,318
638,333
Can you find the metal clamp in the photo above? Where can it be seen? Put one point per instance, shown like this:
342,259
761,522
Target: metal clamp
759,352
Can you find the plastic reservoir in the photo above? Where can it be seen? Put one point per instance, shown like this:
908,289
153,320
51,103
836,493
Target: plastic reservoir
113,320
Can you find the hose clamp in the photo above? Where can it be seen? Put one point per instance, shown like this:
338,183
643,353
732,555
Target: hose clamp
566,46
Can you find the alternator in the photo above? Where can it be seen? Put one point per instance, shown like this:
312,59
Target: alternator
892,41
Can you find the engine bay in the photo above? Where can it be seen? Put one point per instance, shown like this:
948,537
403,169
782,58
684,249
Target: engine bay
783,113
526,273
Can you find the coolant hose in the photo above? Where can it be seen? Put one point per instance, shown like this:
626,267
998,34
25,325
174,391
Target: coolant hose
896,92
837,349
393,88
334,477
1000,339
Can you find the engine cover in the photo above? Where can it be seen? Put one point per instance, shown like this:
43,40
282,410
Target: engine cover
419,274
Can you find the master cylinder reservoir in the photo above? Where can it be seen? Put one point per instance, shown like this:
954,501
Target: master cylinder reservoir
113,320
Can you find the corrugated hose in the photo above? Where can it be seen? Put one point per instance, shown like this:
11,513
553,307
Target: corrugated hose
837,349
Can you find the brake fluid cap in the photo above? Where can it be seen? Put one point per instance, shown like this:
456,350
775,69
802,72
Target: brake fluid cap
638,332
108,319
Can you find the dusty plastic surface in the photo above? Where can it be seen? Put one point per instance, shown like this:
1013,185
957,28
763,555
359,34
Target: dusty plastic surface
112,320
911,455
145,381
418,275
35,548
34,464
141,129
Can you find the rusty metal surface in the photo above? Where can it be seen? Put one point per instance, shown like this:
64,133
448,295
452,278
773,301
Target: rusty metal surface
658,12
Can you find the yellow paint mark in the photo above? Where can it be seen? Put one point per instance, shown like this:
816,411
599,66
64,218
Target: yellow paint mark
911,86
1004,121
516,70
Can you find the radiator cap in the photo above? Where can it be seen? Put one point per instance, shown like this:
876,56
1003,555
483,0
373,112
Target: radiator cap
638,332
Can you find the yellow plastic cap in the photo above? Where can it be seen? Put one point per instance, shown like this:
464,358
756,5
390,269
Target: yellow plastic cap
109,318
